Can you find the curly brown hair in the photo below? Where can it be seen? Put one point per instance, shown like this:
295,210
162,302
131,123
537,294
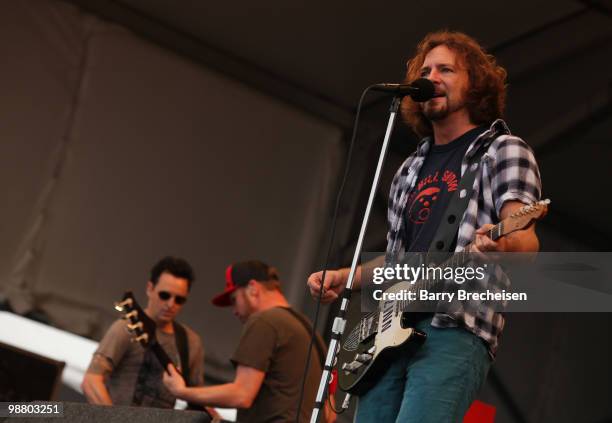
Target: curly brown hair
486,96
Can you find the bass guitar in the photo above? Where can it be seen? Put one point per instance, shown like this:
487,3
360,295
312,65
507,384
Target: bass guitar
142,328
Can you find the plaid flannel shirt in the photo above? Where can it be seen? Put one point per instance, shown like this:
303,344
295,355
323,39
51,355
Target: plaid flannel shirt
508,171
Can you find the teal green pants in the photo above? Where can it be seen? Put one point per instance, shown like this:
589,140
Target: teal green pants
435,385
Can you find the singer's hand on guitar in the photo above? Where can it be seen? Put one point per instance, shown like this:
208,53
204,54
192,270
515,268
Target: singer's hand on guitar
174,381
521,241
335,281
482,243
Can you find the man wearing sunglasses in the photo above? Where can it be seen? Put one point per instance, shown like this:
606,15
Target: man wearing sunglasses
122,372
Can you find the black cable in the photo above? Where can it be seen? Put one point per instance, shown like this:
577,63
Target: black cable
329,249
331,405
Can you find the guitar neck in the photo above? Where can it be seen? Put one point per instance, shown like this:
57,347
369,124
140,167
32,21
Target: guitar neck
495,233
161,355
460,258
142,327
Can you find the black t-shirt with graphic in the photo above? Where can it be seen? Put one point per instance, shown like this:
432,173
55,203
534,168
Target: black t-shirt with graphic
438,179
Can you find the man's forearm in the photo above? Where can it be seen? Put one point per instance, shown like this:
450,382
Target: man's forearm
95,391
524,241
226,395
345,271
94,386
100,397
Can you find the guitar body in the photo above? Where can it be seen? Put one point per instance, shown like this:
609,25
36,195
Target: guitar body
387,340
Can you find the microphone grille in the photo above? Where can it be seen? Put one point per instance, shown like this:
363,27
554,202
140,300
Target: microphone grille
424,90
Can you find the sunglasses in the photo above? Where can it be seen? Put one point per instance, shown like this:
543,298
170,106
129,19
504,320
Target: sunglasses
165,296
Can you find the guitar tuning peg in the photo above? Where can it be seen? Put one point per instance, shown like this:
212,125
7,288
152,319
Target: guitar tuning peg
120,306
131,314
142,338
135,326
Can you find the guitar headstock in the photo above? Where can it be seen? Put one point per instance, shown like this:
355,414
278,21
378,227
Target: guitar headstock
525,216
138,323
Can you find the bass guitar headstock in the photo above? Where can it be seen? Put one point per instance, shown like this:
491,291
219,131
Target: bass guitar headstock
138,323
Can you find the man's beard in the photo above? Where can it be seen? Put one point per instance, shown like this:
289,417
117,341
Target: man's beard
436,113
441,112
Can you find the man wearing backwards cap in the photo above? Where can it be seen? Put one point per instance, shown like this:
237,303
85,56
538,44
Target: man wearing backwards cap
270,356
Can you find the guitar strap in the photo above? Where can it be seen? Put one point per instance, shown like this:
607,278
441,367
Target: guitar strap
182,346
318,342
449,225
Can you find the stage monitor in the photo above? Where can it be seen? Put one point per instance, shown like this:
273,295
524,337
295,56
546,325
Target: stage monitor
25,376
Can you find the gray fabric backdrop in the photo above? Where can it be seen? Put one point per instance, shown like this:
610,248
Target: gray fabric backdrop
115,152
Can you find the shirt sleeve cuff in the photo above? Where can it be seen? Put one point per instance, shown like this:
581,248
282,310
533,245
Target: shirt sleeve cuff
522,196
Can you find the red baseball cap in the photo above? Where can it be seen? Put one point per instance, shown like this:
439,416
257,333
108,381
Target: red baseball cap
238,275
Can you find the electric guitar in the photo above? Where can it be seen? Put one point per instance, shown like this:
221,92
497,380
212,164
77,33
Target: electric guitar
366,350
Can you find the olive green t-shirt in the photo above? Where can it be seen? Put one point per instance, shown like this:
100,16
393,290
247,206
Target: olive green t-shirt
276,342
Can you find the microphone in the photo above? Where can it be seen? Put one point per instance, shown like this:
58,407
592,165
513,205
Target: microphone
420,90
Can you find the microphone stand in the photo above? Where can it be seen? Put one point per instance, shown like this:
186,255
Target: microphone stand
340,320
